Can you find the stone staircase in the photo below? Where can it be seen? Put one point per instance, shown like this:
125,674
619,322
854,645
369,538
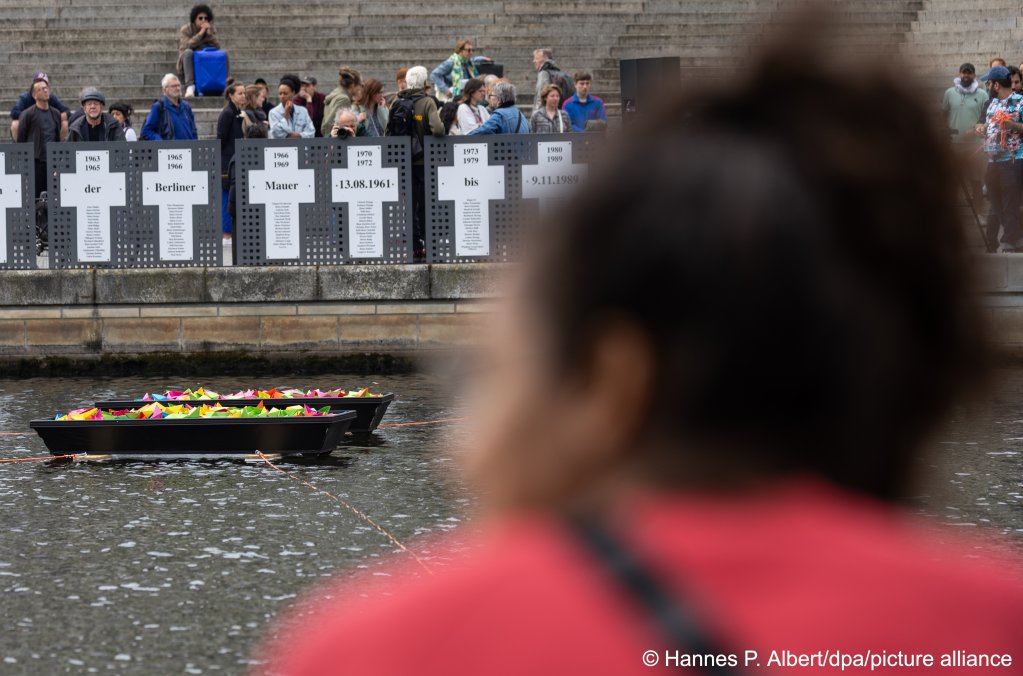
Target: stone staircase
948,33
125,49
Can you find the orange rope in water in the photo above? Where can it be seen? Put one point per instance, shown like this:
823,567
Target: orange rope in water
380,529
44,457
429,422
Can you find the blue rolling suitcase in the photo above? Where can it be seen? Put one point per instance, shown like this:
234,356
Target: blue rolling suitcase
210,72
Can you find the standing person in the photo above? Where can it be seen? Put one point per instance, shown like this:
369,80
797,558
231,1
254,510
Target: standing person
471,112
40,125
963,104
374,115
399,86
312,100
449,77
25,100
1004,178
414,114
229,129
195,35
506,118
253,113
550,119
170,118
547,72
95,125
122,112
266,105
647,537
348,79
288,120
581,107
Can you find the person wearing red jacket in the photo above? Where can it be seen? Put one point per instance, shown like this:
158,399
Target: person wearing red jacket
702,410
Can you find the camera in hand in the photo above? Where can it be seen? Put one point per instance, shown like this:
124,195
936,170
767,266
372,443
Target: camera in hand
343,132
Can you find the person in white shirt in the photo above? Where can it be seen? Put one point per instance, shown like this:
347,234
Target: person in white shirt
471,112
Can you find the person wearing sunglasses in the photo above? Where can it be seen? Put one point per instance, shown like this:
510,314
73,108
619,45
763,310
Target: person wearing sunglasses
449,76
195,35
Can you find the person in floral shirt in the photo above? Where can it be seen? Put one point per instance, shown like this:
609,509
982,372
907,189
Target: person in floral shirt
1001,131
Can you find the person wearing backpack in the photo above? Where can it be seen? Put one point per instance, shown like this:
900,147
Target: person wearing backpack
413,114
547,72
170,117
507,118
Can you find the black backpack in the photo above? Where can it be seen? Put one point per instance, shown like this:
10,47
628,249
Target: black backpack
563,81
402,122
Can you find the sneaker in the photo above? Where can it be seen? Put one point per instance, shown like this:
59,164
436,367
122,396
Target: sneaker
190,92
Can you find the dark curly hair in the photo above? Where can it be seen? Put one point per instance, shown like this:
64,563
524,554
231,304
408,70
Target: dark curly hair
292,81
200,9
799,272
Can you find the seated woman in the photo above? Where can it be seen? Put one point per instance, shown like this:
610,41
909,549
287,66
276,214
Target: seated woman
197,34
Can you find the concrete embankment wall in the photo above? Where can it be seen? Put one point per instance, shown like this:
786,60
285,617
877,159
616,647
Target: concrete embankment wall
302,312
257,311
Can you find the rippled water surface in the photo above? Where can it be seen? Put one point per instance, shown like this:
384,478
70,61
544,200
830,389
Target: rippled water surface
179,567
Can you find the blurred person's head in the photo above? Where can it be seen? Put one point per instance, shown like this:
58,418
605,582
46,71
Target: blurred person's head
287,88
254,96
551,96
997,61
503,94
473,91
200,16
371,94
171,86
122,112
1014,79
541,55
489,80
235,93
583,80
399,79
41,92
348,78
999,81
415,78
967,74
787,296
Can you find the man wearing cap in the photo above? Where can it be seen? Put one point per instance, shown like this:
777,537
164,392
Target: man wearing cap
1004,179
170,118
40,124
314,101
25,100
95,125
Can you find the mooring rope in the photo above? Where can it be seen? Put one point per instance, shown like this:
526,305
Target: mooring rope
380,529
41,457
428,422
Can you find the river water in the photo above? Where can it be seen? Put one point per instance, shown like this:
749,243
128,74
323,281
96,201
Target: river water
180,567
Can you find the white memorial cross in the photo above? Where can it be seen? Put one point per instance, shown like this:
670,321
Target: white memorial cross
365,185
471,183
175,189
10,198
282,186
93,191
554,176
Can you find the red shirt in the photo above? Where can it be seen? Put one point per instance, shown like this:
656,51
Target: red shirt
790,573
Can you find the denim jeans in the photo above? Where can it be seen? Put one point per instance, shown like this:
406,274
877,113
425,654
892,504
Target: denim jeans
1004,182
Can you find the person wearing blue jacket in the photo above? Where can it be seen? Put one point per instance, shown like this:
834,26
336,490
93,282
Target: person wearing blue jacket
581,107
506,118
171,117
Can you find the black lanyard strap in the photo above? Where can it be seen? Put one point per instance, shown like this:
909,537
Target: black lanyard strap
676,622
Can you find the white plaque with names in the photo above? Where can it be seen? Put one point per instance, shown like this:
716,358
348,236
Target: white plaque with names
282,186
471,183
10,198
93,191
176,189
365,185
